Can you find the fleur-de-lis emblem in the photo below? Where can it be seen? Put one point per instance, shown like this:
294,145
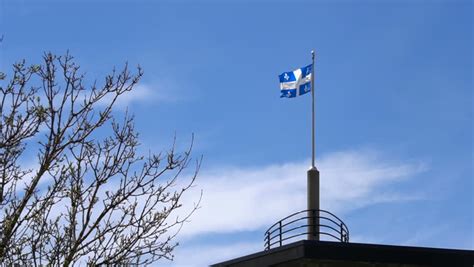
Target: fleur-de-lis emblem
286,76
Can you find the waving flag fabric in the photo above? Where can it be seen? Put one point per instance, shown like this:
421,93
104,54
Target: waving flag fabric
297,82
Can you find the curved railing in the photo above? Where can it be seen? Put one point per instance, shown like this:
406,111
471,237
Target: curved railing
307,222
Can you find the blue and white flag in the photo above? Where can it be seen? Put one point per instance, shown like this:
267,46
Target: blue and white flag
297,82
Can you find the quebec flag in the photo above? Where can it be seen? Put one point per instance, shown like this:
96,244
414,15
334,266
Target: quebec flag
297,82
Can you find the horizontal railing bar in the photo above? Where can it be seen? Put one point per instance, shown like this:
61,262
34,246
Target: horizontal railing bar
298,227
287,218
329,225
325,211
286,225
330,220
291,215
303,218
303,226
284,239
299,219
337,238
306,225
323,225
300,234
286,231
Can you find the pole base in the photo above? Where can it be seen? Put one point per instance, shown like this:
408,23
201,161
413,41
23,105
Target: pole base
313,204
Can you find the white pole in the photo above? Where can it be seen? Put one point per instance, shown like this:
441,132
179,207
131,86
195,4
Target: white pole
313,178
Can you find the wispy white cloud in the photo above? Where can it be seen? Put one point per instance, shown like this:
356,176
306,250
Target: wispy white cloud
245,199
139,94
204,255
143,94
237,200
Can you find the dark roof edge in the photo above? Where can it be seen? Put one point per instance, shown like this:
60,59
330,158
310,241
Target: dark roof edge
358,252
261,254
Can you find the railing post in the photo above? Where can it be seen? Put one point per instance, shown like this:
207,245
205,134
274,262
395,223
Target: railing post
281,241
315,227
268,240
342,232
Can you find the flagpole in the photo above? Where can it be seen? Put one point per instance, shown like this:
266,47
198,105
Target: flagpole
312,118
313,176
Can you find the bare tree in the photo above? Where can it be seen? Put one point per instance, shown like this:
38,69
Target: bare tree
87,198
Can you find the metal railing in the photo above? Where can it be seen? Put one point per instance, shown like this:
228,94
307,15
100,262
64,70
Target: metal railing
298,224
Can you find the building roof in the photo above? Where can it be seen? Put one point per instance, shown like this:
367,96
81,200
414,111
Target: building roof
328,254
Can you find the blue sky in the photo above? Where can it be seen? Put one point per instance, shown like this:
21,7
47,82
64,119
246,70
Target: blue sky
394,107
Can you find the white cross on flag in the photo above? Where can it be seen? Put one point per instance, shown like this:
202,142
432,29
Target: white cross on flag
297,82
